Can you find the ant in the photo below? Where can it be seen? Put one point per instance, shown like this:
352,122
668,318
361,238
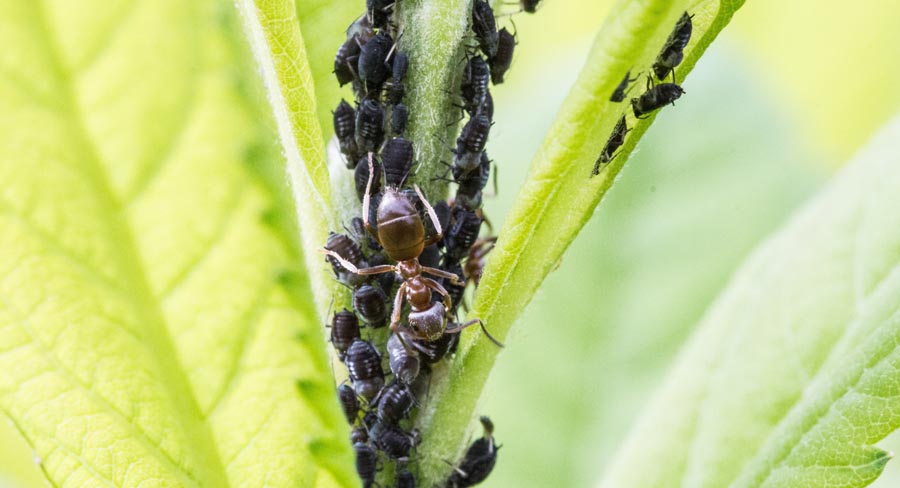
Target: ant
401,232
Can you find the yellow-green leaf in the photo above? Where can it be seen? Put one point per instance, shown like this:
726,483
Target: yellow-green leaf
154,318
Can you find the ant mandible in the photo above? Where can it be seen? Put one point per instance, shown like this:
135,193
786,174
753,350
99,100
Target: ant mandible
401,233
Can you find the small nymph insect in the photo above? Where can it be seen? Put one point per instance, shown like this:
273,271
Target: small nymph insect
616,139
369,303
673,50
349,402
501,62
366,463
369,126
344,330
404,363
364,366
655,98
372,64
345,130
619,94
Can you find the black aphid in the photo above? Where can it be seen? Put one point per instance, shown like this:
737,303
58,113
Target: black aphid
673,50
393,441
349,402
369,303
616,139
478,461
456,291
364,366
345,130
345,61
372,66
463,232
474,84
399,66
503,59
529,6
369,126
377,12
366,463
344,330
619,94
394,402
397,157
361,176
655,98
471,141
404,479
404,362
485,27
345,246
399,116
471,183
434,351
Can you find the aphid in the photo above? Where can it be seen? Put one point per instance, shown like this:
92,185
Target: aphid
394,402
464,229
478,461
474,85
345,61
431,256
344,330
616,139
434,351
366,463
485,27
361,176
619,93
399,66
501,61
529,6
456,291
387,281
673,50
470,183
392,440
345,246
349,402
404,479
369,126
471,141
376,10
655,98
475,262
369,303
402,235
397,156
399,117
364,366
345,129
404,362
372,65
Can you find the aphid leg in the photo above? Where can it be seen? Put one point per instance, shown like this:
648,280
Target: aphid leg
459,327
433,216
443,274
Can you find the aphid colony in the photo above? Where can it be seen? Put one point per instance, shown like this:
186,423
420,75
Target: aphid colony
656,96
407,261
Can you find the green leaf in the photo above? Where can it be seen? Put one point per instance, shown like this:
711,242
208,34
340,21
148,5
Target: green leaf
154,318
791,377
558,197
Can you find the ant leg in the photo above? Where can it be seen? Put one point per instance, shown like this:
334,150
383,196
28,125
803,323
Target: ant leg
460,327
398,308
373,270
434,285
367,198
442,274
432,215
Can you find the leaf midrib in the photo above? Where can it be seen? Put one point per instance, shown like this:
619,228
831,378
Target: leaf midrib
176,381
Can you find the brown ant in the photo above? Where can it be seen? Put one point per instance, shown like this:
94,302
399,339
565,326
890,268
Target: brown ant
401,232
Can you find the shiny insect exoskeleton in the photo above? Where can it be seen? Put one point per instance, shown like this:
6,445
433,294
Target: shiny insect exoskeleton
394,402
345,246
361,176
479,460
369,126
369,303
655,98
485,27
471,183
393,441
364,366
397,157
433,351
404,362
344,330
347,57
673,50
474,86
464,229
349,402
399,117
366,463
471,141
503,58
345,130
619,93
399,66
372,66
377,12
616,139
401,233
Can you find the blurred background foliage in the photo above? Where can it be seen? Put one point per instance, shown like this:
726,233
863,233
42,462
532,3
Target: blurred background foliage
784,97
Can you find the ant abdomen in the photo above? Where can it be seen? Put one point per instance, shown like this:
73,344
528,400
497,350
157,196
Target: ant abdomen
428,323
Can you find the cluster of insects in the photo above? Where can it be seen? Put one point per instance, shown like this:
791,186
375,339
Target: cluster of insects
656,95
408,262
